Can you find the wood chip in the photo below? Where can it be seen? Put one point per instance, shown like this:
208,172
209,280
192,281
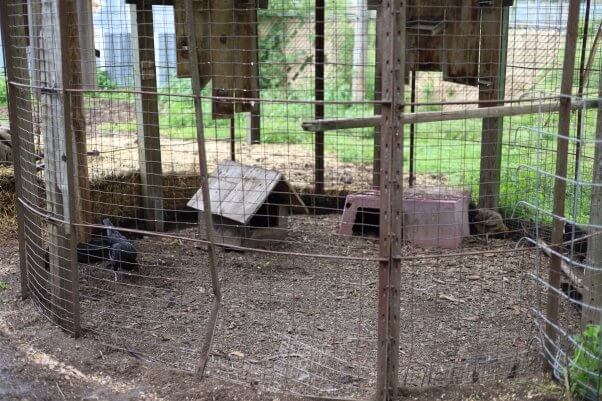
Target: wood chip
473,277
236,354
450,298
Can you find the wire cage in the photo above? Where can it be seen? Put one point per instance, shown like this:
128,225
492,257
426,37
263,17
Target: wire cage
321,197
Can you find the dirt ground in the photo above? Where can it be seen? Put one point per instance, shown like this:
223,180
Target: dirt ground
288,323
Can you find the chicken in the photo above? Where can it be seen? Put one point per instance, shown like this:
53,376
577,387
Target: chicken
122,253
575,238
485,222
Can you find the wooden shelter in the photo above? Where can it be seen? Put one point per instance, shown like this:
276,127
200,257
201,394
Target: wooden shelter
249,204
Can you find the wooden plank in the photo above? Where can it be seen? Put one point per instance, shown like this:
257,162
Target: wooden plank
438,116
460,52
147,114
393,39
237,191
87,48
223,56
593,278
494,32
246,62
13,25
319,94
562,147
55,53
203,33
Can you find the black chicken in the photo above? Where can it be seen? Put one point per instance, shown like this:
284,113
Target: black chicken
575,239
122,253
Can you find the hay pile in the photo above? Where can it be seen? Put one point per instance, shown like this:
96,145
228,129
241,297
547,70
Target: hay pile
8,213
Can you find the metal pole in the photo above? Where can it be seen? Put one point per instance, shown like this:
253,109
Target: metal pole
562,147
580,88
196,89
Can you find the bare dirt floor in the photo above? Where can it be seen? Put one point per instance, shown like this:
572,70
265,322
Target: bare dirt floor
288,323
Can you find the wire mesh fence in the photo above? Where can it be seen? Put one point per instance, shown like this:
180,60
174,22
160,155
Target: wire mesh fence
208,185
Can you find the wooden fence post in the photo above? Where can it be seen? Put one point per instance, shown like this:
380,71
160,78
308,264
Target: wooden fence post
562,148
494,46
147,113
391,187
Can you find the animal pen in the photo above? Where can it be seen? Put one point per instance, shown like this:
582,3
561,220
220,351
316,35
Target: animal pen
301,193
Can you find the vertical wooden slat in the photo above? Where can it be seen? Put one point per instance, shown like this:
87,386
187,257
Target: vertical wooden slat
147,113
562,148
593,278
319,94
393,41
492,81
14,36
86,40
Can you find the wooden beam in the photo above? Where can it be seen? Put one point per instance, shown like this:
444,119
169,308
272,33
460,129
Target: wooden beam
593,278
13,25
319,94
86,39
438,116
147,114
492,75
393,39
53,27
562,148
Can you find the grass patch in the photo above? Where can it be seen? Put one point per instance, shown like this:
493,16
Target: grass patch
3,286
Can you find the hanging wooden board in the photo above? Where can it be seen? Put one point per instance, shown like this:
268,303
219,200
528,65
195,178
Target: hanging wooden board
203,33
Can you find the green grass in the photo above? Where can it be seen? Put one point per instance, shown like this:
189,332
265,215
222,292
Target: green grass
450,148
3,286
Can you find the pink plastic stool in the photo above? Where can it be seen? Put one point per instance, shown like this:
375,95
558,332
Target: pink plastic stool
433,217
353,202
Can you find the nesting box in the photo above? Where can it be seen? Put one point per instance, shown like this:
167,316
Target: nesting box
249,204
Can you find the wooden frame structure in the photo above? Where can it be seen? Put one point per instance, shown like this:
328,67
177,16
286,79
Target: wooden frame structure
67,180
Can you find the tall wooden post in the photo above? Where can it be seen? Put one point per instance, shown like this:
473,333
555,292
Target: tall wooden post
13,24
593,278
319,89
55,48
492,81
86,39
562,148
147,113
392,38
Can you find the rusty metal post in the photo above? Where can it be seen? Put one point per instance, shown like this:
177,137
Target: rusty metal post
19,111
562,148
391,186
319,89
196,90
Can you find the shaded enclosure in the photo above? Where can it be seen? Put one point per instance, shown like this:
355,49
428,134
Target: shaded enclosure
228,140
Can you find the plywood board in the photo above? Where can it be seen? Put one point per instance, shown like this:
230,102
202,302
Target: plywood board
237,191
